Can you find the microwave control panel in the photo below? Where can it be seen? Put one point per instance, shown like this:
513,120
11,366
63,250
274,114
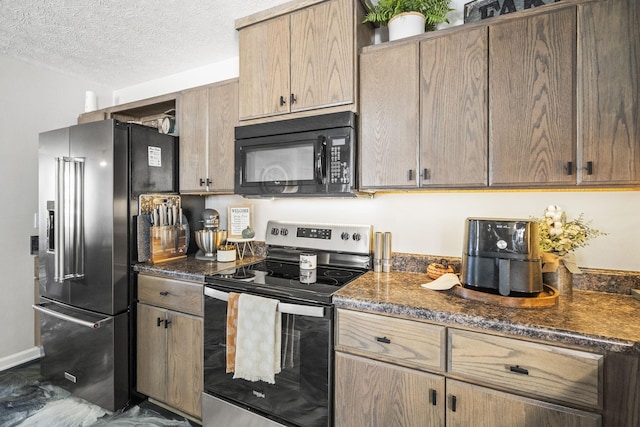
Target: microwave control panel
339,160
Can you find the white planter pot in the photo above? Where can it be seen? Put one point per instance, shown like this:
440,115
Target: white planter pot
406,25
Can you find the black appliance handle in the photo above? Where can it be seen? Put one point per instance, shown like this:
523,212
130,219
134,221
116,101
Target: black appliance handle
287,308
321,160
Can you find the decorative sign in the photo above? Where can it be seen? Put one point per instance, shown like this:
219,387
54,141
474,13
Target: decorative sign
239,218
482,9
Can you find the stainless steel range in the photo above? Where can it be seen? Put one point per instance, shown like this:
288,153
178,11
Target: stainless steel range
306,263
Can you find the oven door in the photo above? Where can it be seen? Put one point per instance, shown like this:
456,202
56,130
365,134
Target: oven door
303,391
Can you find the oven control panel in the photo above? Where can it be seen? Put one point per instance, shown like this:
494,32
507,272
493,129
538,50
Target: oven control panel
351,238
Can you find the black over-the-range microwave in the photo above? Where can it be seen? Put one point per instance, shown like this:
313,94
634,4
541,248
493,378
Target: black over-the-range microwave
308,156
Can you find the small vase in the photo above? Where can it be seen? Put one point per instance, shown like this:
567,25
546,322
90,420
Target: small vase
561,279
406,25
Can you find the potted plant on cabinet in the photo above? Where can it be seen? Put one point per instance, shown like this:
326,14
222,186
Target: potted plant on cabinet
407,18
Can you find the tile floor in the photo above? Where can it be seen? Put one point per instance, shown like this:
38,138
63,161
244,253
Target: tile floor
27,400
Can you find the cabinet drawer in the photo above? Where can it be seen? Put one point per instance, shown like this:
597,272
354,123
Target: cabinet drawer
551,372
173,294
400,341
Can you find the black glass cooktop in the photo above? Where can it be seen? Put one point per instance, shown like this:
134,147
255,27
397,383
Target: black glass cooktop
282,278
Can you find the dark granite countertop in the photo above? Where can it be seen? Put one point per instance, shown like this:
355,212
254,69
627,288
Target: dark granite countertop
190,268
597,320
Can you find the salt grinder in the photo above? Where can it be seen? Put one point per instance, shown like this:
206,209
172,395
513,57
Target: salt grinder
386,252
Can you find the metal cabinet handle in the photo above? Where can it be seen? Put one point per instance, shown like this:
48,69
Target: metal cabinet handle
410,175
292,99
282,101
518,370
425,174
569,168
434,395
454,404
167,322
589,168
158,321
164,293
383,340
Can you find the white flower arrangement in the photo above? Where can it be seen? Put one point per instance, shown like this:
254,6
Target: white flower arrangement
559,236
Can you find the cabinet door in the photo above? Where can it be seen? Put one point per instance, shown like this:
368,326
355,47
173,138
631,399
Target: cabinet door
322,55
193,139
471,405
264,68
389,118
531,100
151,352
609,93
372,393
185,356
223,117
453,86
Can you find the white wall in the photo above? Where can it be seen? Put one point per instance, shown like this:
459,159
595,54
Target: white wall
33,100
433,223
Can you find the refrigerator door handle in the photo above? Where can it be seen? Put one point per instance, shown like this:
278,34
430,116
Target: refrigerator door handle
92,325
69,215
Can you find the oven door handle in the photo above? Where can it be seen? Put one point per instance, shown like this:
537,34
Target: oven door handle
287,308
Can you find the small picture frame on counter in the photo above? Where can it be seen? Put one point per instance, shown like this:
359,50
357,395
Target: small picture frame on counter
239,217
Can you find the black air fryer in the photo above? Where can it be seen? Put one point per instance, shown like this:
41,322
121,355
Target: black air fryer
502,255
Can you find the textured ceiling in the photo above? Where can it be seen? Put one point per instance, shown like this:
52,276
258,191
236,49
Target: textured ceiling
120,43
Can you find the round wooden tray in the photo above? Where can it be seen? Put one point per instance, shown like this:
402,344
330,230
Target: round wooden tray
547,298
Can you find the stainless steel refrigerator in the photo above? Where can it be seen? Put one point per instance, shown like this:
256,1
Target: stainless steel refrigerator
90,176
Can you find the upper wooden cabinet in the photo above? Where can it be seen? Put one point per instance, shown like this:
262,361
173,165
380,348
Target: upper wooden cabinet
296,57
208,116
609,93
531,100
423,120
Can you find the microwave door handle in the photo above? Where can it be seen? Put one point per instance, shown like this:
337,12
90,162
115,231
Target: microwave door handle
321,160
286,308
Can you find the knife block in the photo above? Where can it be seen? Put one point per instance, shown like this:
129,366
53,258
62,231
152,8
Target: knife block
168,242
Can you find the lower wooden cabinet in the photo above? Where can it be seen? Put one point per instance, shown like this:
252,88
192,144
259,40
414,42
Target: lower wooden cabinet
170,347
390,372
373,393
472,405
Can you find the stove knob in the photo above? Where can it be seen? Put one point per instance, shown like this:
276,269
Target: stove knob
284,231
275,231
345,236
356,237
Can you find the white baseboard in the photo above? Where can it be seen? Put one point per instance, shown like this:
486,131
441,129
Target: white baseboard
19,358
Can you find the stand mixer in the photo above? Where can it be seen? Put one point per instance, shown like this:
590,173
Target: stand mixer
209,238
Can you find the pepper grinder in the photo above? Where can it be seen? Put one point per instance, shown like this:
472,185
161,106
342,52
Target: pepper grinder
377,252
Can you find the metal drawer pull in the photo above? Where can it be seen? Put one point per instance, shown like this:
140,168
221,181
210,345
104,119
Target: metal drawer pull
454,403
518,370
164,293
297,309
384,340
434,394
158,321
93,325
